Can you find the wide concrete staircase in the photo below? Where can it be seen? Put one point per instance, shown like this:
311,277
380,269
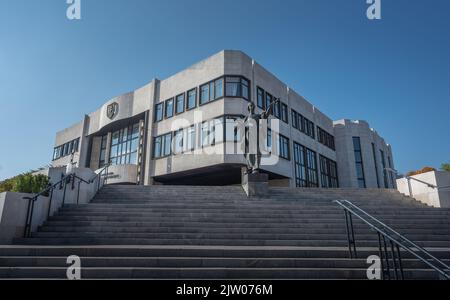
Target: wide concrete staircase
175,232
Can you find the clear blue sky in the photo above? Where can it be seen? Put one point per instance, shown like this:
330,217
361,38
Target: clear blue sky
395,73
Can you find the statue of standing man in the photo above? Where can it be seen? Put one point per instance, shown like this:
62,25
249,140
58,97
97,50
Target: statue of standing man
252,143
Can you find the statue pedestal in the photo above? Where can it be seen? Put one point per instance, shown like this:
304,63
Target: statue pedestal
255,185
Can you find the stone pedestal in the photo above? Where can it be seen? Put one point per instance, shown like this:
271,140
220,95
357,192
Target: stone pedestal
255,185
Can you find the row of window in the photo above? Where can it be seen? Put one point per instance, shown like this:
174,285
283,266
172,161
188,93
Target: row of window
306,173
359,164
66,149
264,100
303,124
325,138
230,86
212,132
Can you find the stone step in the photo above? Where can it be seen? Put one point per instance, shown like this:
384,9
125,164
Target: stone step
210,242
205,273
209,224
229,236
305,230
196,262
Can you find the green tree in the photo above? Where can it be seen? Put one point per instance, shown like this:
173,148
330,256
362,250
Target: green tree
445,167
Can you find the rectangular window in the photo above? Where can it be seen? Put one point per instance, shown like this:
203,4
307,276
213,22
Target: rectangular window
295,119
283,147
232,130
218,89
325,138
269,140
328,172
179,141
374,152
192,99
167,145
306,173
284,113
191,139
157,147
277,110
269,100
385,175
204,94
180,104
233,87
103,145
159,112
169,108
237,87
125,145
359,163
260,100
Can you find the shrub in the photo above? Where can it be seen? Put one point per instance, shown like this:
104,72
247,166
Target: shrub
446,167
28,183
422,171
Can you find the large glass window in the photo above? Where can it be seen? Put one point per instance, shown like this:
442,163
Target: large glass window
232,130
218,88
269,100
212,132
180,104
295,119
169,108
359,163
305,167
192,99
159,112
328,172
179,140
125,145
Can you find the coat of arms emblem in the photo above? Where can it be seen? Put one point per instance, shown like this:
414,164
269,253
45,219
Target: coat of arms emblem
112,110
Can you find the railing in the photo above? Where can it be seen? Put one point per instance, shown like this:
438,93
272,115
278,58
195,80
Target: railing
389,238
62,185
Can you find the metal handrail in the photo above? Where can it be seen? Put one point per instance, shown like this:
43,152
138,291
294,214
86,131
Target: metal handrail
65,179
396,239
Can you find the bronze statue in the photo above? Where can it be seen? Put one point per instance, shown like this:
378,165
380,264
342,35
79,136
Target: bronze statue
254,119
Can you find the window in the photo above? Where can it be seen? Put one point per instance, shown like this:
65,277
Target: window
283,147
218,88
383,162
305,166
374,152
159,112
103,145
277,110
260,98
162,146
212,132
211,91
295,119
269,140
179,140
328,172
191,139
232,130
237,87
284,113
391,172
169,108
204,94
180,104
66,149
268,100
325,138
125,145
359,163
192,99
